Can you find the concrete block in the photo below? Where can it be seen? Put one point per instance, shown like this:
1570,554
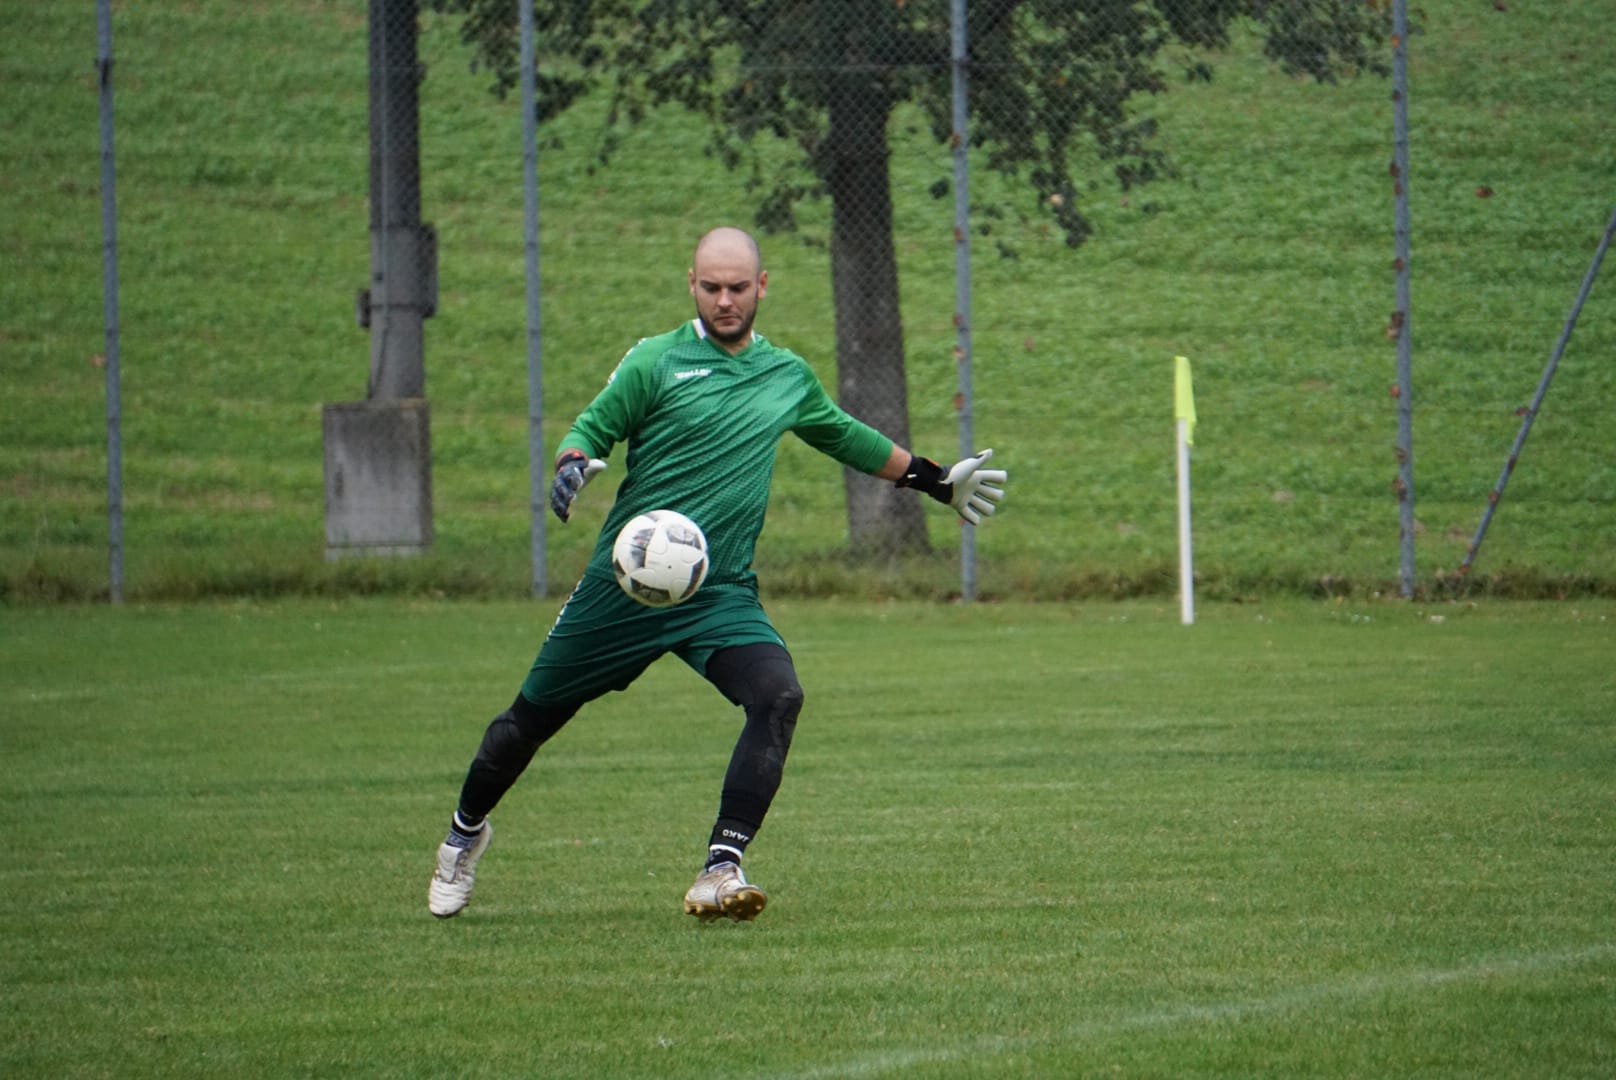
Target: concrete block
378,478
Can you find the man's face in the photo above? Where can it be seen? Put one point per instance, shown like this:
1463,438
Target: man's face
727,285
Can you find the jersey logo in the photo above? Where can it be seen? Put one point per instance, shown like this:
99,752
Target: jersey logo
694,373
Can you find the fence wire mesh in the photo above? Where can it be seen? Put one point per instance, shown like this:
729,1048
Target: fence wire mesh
1140,187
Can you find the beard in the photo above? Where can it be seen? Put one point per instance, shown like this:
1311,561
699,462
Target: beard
730,337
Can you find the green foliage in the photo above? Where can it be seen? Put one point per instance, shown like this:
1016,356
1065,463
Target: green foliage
1053,85
1331,840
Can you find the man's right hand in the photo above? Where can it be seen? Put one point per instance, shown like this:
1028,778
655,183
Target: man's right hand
573,471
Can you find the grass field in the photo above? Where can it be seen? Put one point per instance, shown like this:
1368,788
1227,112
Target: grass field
242,195
1345,839
1338,838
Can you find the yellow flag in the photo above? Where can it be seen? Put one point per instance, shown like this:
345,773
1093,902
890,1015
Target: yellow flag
1184,397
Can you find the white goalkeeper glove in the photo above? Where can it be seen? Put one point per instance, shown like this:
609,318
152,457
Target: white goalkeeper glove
970,489
574,471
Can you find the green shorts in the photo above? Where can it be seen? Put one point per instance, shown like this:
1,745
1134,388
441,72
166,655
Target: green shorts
602,640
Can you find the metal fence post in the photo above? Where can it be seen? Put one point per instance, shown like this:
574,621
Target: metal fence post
962,271
109,264
1404,485
537,460
1537,398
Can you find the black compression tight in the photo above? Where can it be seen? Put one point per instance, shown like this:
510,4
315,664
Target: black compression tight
760,678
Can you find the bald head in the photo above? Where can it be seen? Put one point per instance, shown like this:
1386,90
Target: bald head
728,244
727,279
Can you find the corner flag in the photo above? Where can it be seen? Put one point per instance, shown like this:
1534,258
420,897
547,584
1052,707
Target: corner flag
1184,397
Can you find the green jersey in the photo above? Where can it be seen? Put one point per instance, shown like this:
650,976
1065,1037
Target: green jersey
702,429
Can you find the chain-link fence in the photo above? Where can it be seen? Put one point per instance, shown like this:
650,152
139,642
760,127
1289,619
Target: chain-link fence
1137,181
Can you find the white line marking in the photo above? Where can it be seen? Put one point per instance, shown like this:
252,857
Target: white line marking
1366,986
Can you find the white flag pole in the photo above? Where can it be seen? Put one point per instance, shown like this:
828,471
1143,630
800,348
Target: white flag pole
1186,562
1184,410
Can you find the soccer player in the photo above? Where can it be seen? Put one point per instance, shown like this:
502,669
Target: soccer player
702,409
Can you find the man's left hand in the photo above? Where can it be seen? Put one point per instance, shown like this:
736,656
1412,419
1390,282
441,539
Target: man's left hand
974,490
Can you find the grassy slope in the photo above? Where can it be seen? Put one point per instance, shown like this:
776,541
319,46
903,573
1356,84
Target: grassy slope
242,211
1343,840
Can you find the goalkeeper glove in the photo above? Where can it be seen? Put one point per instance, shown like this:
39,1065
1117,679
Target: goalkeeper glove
970,489
573,471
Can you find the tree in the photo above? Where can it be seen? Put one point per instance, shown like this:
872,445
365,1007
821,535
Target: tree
1052,87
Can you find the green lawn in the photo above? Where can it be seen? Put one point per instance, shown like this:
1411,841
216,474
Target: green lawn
1296,839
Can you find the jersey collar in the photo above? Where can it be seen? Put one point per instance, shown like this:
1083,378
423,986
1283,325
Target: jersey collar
701,332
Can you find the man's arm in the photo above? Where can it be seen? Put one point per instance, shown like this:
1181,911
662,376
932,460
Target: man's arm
897,464
970,489
603,424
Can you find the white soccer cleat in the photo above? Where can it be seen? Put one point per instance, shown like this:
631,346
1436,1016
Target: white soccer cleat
452,881
722,892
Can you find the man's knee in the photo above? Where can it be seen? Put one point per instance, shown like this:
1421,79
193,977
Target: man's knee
784,706
503,743
777,705
762,679
515,735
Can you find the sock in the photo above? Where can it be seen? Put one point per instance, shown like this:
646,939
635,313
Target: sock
463,833
722,853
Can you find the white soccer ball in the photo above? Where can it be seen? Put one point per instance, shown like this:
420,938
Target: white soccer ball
660,558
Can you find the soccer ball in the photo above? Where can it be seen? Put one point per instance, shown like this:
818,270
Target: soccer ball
660,558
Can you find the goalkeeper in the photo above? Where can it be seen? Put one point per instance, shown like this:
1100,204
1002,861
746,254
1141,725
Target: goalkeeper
702,410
